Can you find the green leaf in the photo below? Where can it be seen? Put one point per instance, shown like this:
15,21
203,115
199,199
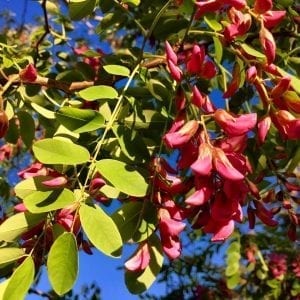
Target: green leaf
20,281
135,220
134,2
79,120
295,160
233,281
123,177
98,92
10,254
39,201
211,21
218,49
46,113
18,224
101,230
158,90
253,52
131,143
38,198
62,263
3,286
81,8
56,151
136,282
27,128
117,70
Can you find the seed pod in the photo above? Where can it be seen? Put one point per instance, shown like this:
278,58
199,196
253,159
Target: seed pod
3,124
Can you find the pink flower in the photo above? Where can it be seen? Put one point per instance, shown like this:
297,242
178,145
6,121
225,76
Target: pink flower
235,82
235,125
179,138
251,74
197,64
268,44
287,124
203,165
277,264
263,126
240,24
296,266
233,143
170,54
204,190
273,17
224,167
36,169
55,182
281,87
221,231
175,71
262,6
140,259
29,73
169,231
204,7
202,101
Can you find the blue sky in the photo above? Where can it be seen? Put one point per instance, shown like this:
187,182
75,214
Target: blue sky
98,267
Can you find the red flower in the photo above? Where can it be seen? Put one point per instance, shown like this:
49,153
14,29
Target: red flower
263,126
277,264
273,17
198,65
281,87
221,231
287,124
224,167
203,165
202,101
29,73
235,125
262,6
182,136
268,44
140,259
170,54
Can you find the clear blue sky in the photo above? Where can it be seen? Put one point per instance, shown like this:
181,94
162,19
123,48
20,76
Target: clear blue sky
98,267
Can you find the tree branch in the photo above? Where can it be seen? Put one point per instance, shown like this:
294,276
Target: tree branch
52,83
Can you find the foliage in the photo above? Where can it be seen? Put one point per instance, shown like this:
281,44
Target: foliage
188,120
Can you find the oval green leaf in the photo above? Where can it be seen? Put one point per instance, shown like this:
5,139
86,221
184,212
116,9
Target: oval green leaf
123,177
39,201
27,128
253,52
98,92
62,263
55,151
18,224
117,70
101,230
79,120
138,283
81,8
10,254
20,281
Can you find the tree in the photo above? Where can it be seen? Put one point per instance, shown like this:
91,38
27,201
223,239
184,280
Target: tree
189,120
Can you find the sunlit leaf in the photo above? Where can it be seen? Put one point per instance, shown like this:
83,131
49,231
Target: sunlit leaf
123,177
117,70
62,263
79,120
81,8
20,281
10,254
101,230
18,224
98,92
55,151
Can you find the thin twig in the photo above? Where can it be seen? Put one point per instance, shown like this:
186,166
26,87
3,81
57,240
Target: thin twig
46,28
